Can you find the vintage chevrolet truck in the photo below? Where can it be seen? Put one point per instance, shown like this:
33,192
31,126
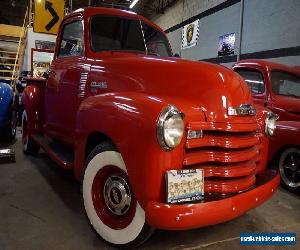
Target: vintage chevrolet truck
277,87
156,141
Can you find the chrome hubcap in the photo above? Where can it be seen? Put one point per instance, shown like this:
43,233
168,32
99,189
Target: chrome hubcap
117,195
289,166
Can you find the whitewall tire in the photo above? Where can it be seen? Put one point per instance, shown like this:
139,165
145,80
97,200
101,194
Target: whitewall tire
109,202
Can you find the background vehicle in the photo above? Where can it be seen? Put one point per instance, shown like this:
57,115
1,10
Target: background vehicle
277,87
120,111
8,114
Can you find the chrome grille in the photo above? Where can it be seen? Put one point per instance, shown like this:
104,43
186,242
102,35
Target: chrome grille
228,153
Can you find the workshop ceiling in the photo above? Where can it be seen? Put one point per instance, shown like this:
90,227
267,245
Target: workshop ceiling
146,8
13,11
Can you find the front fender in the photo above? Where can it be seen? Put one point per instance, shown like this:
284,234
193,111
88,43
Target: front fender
6,99
129,119
287,133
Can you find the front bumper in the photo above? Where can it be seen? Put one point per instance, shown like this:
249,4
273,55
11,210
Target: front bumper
189,216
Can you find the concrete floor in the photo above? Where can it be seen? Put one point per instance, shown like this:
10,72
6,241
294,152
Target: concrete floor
41,208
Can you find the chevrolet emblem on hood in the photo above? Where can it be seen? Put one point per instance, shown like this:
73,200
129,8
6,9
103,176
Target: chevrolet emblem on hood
242,110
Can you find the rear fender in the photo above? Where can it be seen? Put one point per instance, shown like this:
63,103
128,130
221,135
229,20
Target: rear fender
33,101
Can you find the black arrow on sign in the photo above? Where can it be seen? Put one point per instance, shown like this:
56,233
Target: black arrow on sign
55,19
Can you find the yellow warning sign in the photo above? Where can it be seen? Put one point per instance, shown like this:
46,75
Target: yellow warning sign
48,15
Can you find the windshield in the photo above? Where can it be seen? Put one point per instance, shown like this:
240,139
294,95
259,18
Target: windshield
254,79
284,83
111,33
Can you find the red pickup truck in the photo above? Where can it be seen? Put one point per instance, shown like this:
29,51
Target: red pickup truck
156,141
277,87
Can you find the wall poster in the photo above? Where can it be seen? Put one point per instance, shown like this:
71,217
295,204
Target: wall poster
190,35
40,61
226,44
39,44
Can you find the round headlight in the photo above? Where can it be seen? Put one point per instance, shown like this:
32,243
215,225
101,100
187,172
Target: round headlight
170,128
270,123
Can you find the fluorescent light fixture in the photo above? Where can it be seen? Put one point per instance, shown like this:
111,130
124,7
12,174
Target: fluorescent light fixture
133,4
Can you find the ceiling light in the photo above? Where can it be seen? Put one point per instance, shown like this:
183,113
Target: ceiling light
133,4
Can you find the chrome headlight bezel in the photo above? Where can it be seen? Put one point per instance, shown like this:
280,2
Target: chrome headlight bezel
270,123
169,112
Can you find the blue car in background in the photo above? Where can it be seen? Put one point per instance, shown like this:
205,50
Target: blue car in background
8,113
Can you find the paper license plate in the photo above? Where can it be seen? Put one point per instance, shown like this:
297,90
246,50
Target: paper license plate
185,185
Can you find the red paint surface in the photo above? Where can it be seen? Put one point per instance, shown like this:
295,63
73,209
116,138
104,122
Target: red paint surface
288,108
138,88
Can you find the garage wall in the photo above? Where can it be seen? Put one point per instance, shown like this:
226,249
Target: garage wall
31,38
271,24
211,27
183,10
271,29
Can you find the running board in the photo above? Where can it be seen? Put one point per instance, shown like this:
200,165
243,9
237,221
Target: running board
61,154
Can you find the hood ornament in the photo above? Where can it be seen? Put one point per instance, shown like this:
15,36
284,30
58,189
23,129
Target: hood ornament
242,110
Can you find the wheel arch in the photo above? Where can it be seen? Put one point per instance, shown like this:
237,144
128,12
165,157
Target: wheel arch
282,149
94,138
287,134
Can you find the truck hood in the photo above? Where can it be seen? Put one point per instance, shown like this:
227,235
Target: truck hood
209,87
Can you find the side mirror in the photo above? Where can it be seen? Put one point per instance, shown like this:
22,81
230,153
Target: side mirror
176,55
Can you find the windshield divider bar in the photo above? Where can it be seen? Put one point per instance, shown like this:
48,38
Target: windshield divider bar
144,37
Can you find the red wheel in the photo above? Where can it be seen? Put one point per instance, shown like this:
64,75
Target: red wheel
112,197
109,201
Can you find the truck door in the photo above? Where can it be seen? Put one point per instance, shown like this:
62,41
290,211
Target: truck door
68,71
256,82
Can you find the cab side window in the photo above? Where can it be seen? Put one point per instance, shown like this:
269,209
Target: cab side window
254,79
72,40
